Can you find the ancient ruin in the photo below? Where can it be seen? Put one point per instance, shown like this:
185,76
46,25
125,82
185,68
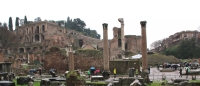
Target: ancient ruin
36,39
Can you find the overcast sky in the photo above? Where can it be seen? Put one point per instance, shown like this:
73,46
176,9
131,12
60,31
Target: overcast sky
164,17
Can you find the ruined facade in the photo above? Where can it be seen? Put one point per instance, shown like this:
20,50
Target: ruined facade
36,38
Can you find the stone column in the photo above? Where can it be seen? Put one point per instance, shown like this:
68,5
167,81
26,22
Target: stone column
145,71
121,20
144,46
106,72
71,61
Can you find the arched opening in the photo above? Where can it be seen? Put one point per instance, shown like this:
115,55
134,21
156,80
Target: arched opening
80,42
32,29
43,28
37,29
126,46
21,50
28,49
35,49
119,42
37,38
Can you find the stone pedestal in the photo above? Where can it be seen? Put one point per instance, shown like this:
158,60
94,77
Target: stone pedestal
106,74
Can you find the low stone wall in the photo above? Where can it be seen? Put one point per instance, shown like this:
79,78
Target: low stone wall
122,66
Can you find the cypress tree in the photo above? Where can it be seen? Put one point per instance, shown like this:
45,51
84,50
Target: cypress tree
17,22
25,20
10,24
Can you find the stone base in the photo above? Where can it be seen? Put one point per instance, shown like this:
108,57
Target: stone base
145,75
106,74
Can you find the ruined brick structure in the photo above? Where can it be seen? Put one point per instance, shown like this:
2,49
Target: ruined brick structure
178,37
36,38
123,43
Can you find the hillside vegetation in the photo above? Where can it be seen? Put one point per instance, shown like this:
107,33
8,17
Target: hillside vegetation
155,58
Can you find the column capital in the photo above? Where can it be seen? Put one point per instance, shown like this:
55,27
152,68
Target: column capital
121,20
143,23
105,25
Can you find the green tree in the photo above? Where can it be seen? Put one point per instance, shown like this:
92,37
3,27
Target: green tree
10,24
186,49
17,22
25,20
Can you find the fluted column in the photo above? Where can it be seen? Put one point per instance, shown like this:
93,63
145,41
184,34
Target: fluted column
144,46
105,47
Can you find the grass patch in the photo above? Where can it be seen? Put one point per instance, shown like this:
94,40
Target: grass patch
198,81
36,83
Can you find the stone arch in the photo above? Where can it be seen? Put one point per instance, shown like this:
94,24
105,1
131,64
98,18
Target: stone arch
37,29
119,42
43,28
28,49
81,42
21,50
35,49
37,38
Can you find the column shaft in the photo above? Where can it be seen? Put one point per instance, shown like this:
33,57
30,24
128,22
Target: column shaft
144,46
105,47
